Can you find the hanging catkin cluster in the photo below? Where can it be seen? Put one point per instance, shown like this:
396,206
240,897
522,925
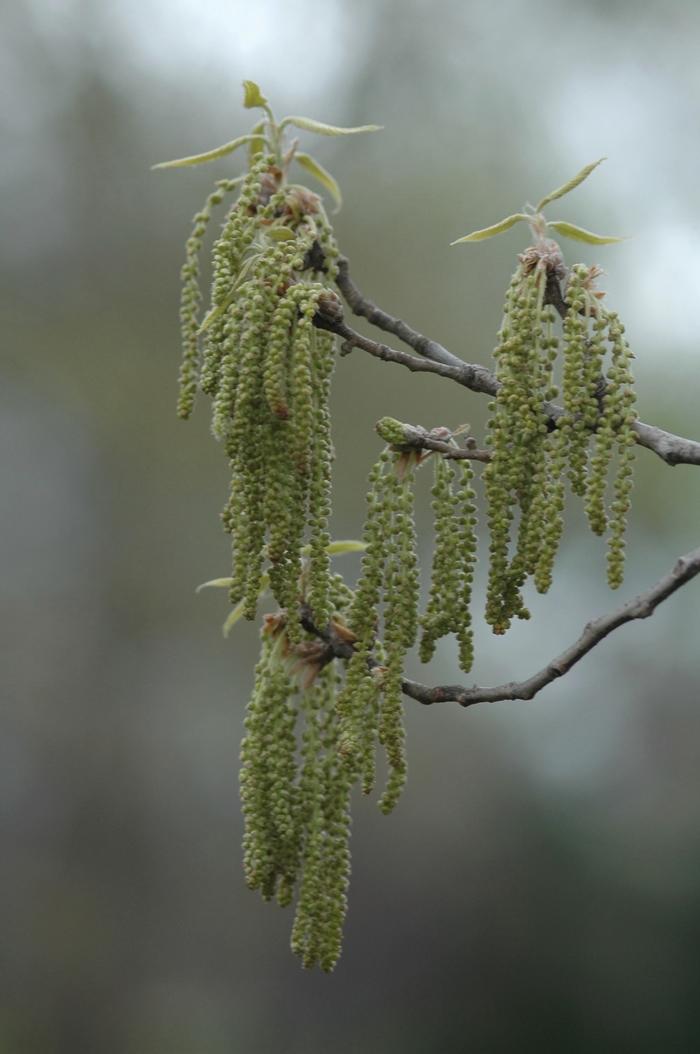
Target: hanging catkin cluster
314,726
267,369
295,788
389,581
329,680
454,556
530,462
263,362
531,457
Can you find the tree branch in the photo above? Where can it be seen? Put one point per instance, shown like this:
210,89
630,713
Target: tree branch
686,568
641,607
673,449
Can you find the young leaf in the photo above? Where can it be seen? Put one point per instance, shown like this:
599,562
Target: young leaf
322,175
217,583
211,316
579,234
252,96
490,232
571,185
326,129
211,155
348,545
280,234
233,617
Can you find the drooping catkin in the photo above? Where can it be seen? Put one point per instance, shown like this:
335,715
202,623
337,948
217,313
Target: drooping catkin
267,369
454,556
530,459
190,298
517,432
388,586
616,428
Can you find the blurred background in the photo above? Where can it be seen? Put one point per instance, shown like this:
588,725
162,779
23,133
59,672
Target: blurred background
538,886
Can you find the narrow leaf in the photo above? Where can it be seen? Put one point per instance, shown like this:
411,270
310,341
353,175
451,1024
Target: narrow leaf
322,175
219,309
579,234
347,545
236,613
280,234
327,129
490,232
211,316
234,616
216,583
211,155
252,96
571,185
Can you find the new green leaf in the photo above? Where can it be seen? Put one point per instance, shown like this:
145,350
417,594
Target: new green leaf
322,175
216,583
252,96
348,545
234,616
571,185
326,129
280,234
579,234
490,232
210,155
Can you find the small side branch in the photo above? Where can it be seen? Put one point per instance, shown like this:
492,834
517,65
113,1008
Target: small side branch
434,358
414,437
361,305
686,568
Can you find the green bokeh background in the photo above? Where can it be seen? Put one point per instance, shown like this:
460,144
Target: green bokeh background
538,886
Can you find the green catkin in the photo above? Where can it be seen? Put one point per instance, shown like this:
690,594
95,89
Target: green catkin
190,299
454,554
529,461
516,434
576,381
325,823
620,414
362,618
371,688
552,520
400,621
336,862
267,774
466,541
305,939
320,505
277,356
439,614
268,371
389,574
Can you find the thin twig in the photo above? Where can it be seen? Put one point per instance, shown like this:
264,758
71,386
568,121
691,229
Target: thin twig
673,449
415,437
686,568
360,305
642,606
